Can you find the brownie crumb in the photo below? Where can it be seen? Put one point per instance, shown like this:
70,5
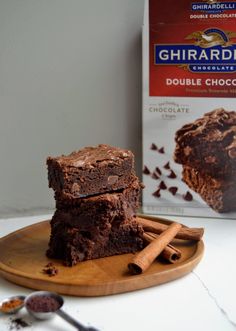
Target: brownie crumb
172,174
155,176
154,147
18,323
173,190
146,171
161,150
158,170
162,185
157,193
188,196
50,269
167,166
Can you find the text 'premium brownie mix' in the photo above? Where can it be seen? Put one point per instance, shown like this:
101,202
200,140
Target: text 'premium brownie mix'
97,196
189,108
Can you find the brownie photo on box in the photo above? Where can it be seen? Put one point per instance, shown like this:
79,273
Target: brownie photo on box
207,150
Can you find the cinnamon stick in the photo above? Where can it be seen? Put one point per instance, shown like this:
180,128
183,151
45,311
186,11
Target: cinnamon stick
184,233
144,259
169,253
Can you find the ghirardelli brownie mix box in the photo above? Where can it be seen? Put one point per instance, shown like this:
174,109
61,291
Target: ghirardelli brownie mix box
189,108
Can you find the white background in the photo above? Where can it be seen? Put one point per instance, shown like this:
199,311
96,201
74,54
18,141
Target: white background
70,76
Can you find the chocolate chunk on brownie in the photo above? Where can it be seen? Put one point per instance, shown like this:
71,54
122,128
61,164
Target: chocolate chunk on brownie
209,144
90,171
73,245
219,194
173,190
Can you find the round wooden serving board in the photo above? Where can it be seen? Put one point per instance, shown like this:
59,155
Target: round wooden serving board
23,258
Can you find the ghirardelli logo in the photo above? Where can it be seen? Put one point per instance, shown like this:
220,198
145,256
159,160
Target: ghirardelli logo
213,6
212,50
212,37
210,1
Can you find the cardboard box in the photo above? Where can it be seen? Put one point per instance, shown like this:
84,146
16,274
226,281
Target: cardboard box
189,70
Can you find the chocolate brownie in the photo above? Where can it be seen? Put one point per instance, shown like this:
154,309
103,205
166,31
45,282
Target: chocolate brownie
209,144
118,202
91,170
100,209
73,245
219,194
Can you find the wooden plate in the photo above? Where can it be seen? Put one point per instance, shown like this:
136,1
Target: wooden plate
23,258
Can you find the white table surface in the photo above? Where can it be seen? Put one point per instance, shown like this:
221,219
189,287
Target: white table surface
205,299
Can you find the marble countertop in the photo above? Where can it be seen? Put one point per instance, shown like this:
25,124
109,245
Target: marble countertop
202,300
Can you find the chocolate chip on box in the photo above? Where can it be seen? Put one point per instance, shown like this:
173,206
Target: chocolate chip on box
157,169
157,193
146,171
162,185
160,173
161,150
154,147
155,176
188,196
173,190
172,174
167,165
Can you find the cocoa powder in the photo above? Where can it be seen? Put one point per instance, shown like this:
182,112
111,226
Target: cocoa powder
43,304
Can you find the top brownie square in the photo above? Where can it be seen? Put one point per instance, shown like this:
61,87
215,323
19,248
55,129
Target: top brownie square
209,144
91,170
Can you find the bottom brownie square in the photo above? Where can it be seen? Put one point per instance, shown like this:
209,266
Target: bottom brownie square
219,194
72,245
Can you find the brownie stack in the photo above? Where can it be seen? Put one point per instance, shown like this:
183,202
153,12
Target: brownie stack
97,196
207,150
